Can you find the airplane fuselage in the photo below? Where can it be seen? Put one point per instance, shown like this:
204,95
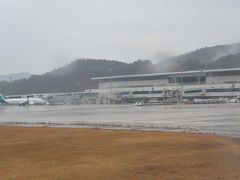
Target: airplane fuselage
23,101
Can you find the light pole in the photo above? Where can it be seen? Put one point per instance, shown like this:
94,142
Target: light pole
181,87
110,70
110,79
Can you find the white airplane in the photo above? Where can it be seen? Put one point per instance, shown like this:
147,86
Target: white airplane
22,101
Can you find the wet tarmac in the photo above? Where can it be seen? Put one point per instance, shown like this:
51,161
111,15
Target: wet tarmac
222,119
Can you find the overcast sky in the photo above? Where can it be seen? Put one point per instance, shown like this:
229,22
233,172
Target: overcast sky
39,35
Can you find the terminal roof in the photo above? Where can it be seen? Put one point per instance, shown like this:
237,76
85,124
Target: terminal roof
166,73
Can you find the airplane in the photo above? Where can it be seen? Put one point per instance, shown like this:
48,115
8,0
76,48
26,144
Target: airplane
22,101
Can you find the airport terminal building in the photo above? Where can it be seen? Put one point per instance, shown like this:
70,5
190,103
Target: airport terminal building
176,86
187,85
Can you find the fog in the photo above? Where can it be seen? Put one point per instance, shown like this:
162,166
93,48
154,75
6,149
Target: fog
37,36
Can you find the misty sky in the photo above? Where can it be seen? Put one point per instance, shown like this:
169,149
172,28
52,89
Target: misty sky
39,35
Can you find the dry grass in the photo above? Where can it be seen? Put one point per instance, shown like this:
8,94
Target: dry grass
52,153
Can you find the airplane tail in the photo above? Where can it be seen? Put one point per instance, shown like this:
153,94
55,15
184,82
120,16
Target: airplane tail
2,99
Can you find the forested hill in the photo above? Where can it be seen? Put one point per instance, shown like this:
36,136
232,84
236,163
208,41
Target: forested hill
229,61
221,56
14,76
75,76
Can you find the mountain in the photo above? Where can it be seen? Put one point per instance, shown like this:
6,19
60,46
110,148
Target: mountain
15,76
201,58
229,61
75,76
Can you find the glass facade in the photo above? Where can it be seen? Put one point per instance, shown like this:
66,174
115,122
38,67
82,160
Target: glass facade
213,90
193,91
